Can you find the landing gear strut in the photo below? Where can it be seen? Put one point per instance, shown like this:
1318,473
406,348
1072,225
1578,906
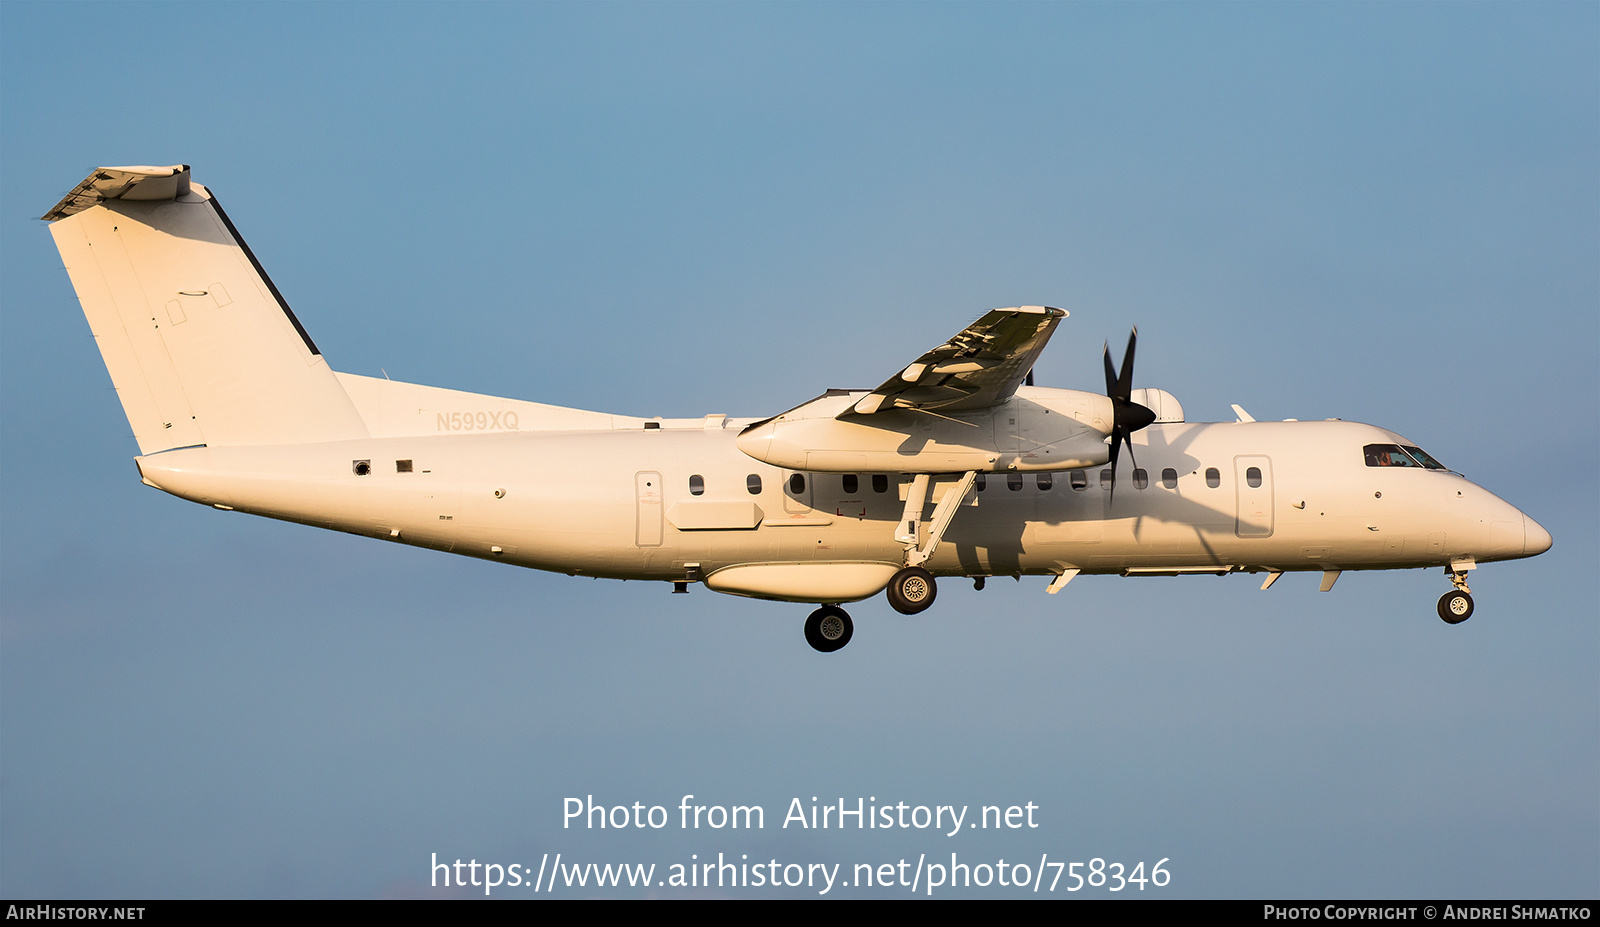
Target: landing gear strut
829,628
912,590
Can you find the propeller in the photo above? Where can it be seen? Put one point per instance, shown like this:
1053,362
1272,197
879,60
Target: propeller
1127,416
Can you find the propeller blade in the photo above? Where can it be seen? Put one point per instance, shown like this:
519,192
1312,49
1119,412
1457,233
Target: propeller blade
1125,382
1127,416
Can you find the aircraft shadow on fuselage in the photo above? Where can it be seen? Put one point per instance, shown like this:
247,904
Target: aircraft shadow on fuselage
1068,514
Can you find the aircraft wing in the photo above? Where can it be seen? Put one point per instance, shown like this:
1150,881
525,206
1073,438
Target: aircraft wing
981,366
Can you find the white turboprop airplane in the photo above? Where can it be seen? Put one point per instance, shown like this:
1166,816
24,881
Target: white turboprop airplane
234,407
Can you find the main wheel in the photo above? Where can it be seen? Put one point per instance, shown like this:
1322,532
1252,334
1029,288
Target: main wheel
912,590
1455,607
829,628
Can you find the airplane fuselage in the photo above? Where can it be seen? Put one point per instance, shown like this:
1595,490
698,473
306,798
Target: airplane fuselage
1205,497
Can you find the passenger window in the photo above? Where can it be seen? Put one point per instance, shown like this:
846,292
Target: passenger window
981,482
1253,477
880,482
1141,479
797,483
1079,480
1213,478
851,484
697,485
1045,480
1106,477
1014,481
753,483
1169,478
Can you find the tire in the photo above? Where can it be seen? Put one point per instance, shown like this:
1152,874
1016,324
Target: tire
912,590
1455,607
829,628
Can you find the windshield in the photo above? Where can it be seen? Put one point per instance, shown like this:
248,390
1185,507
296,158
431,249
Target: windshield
1422,457
1400,455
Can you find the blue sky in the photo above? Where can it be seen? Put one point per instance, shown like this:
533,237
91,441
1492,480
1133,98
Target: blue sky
1386,213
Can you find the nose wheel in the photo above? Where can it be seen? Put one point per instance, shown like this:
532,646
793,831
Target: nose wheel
1455,606
829,628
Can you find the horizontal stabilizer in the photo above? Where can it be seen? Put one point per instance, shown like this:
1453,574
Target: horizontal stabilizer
123,183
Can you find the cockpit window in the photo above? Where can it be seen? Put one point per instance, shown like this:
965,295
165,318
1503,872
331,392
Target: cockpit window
1395,455
1422,457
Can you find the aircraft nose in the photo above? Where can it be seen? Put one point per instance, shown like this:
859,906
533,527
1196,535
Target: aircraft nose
1535,540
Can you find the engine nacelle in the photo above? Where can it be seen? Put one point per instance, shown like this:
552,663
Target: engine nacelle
1162,403
1037,429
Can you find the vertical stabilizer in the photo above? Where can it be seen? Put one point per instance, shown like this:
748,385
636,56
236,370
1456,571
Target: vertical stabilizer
200,345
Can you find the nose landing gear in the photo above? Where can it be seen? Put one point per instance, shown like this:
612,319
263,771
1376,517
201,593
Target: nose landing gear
1456,606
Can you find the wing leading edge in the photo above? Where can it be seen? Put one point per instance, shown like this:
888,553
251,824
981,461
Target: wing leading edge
981,366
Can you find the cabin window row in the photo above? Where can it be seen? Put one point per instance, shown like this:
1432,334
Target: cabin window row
1077,479
797,484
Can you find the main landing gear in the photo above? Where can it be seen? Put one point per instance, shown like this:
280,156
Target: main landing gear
829,628
912,590
1456,606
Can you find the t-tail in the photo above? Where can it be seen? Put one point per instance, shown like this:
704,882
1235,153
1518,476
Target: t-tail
201,347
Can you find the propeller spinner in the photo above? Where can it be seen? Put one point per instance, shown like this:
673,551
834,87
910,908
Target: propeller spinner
1128,416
